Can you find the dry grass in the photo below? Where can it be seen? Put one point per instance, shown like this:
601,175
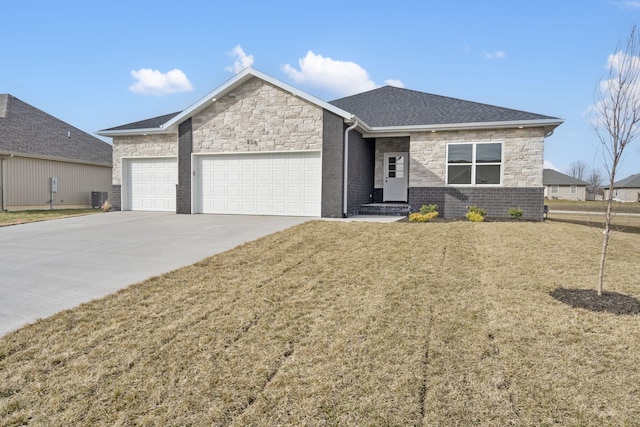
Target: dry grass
346,324
23,217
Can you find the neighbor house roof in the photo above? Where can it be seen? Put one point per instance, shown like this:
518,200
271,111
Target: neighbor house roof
385,110
390,107
26,130
553,177
632,181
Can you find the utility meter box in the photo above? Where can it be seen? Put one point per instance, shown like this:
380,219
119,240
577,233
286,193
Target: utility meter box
54,184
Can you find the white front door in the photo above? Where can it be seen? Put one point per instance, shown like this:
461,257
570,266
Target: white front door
396,177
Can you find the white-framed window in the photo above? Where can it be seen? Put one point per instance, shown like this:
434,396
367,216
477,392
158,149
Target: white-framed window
474,163
555,189
573,189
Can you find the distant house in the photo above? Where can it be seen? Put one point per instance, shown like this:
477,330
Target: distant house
628,189
46,163
560,186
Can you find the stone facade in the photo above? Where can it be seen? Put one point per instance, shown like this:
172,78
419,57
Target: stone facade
523,151
163,145
258,117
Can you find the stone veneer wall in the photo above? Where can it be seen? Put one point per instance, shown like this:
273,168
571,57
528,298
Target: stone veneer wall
522,187
162,145
522,163
258,117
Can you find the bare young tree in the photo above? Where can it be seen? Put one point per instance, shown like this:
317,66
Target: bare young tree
578,170
616,120
594,181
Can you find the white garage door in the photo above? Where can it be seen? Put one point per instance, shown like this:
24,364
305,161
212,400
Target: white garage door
260,184
152,184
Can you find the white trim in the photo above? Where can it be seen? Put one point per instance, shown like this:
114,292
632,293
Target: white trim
372,132
474,164
126,132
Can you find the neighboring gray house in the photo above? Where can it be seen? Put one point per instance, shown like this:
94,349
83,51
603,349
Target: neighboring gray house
259,146
560,186
628,189
36,147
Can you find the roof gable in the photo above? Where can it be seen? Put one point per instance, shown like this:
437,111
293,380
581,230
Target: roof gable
173,120
553,177
27,130
632,181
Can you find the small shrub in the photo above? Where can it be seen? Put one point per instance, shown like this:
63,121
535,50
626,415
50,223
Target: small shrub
478,210
425,209
474,216
106,206
515,213
422,217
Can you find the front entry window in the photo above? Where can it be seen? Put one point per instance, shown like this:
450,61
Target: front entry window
396,167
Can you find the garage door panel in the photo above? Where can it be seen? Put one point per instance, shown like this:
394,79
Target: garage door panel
151,184
260,183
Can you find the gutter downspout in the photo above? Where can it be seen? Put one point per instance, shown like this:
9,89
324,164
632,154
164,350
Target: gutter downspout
346,167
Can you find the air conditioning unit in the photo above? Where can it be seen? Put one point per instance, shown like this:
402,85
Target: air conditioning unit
98,198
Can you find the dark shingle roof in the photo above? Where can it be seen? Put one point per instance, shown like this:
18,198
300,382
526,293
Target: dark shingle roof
392,106
25,129
632,181
553,177
151,123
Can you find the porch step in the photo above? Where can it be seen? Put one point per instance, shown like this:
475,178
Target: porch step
391,209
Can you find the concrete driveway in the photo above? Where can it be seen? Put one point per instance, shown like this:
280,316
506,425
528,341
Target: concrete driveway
46,267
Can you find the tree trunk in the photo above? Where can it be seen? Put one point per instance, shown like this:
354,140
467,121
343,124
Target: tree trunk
605,242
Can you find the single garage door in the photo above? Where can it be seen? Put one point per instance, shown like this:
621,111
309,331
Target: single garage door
260,183
152,184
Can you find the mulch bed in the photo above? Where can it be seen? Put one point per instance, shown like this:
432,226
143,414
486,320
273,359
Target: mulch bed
610,302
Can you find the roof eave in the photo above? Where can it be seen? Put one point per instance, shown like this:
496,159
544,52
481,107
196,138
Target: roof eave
547,124
130,132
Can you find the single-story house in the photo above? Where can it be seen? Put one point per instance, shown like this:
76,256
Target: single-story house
560,186
258,146
627,189
46,163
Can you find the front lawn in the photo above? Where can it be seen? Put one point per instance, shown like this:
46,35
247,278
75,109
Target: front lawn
332,323
22,217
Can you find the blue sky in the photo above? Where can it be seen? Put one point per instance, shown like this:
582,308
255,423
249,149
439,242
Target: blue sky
101,64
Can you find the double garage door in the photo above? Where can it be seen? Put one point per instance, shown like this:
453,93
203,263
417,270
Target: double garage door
259,184
249,184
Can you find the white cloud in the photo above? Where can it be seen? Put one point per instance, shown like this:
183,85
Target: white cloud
242,60
498,54
629,4
395,83
548,165
343,78
153,82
